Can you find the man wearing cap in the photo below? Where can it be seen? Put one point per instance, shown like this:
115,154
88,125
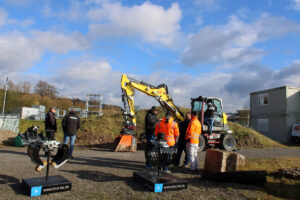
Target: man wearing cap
50,124
150,123
192,137
70,125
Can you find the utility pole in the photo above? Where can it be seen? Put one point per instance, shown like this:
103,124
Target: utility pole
4,96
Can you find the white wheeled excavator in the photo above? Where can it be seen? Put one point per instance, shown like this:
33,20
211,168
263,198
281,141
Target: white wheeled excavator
126,141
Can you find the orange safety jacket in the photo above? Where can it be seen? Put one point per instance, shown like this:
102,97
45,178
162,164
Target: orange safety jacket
193,131
170,130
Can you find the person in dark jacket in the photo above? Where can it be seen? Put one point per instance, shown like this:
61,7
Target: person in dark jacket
70,125
150,123
50,124
209,115
182,142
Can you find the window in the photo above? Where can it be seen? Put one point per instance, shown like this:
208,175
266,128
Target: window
218,105
263,99
263,124
197,106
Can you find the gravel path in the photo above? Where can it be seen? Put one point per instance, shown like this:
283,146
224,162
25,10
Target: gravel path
100,174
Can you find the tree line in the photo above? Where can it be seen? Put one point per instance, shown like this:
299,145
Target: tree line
24,94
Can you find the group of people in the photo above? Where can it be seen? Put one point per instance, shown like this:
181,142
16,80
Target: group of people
186,135
70,125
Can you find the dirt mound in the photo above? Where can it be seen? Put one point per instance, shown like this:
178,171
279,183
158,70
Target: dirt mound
94,139
7,137
249,138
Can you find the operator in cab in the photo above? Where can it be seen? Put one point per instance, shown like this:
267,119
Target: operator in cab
209,115
169,128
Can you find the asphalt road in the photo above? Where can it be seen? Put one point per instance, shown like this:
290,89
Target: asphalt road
102,174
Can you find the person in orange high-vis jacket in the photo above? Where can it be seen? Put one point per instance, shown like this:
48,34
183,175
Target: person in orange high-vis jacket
169,128
192,137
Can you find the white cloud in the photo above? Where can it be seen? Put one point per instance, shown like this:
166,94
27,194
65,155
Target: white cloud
210,5
75,12
59,42
5,20
3,17
80,77
295,5
232,43
152,23
19,52
26,23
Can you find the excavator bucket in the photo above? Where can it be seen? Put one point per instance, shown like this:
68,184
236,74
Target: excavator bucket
33,152
125,143
58,160
61,157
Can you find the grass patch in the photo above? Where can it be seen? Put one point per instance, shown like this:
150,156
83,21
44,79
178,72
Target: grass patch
249,138
276,188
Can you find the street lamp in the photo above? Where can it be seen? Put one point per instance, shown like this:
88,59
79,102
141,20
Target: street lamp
4,96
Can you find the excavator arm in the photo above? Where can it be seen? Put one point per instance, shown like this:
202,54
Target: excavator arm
160,93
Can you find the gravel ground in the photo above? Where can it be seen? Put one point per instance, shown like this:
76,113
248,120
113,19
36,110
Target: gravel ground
101,174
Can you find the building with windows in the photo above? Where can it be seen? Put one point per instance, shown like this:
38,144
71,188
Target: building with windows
274,111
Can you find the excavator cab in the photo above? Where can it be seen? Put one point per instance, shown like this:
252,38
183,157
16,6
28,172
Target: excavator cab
221,134
220,118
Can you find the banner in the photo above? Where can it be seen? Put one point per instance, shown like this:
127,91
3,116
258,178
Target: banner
10,122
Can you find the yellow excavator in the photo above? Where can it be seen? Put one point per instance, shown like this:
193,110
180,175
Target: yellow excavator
126,141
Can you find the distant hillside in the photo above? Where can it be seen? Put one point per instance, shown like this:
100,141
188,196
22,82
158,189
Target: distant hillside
19,99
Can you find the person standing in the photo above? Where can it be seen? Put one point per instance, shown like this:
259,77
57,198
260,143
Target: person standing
70,125
169,128
150,123
192,136
50,124
209,116
182,142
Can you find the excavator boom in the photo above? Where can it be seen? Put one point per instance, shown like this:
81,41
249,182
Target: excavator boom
160,93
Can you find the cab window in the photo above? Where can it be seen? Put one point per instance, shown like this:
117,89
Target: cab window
218,106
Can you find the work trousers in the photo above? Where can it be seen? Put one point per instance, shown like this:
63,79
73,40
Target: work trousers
210,122
193,155
149,138
181,148
70,138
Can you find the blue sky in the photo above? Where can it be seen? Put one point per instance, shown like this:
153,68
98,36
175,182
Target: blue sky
224,48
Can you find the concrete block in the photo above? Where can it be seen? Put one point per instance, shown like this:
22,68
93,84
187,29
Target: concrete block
217,161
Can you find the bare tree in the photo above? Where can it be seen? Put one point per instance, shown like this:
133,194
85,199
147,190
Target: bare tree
45,89
12,86
24,87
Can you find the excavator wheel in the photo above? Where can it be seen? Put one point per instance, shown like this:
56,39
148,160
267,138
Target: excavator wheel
125,143
202,143
228,142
